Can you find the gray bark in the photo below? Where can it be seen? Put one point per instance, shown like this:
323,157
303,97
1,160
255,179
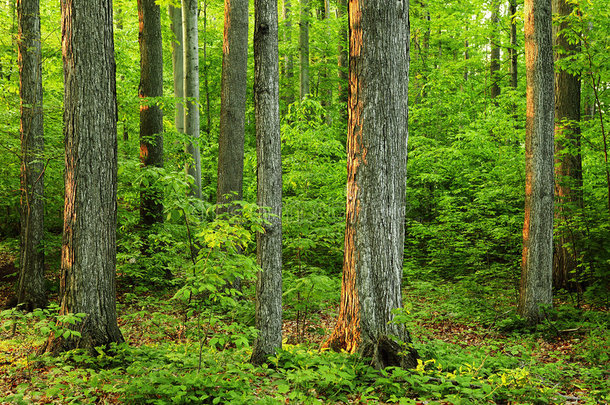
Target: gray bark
512,10
191,91
288,58
377,159
537,260
151,115
269,177
304,49
175,15
88,259
234,82
31,292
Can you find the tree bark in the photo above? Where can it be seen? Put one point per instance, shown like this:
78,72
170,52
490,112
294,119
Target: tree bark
88,259
494,65
191,91
512,10
234,82
175,16
151,115
342,59
31,292
376,167
304,49
288,57
269,177
568,161
537,260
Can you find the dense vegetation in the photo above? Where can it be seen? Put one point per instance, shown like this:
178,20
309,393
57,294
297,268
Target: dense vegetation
189,338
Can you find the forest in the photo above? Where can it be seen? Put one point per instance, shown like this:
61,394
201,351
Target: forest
304,201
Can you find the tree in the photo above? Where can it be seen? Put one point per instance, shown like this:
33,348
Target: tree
151,115
191,90
233,103
175,16
512,51
269,178
288,70
88,257
494,65
342,59
537,260
568,161
376,172
31,292
304,49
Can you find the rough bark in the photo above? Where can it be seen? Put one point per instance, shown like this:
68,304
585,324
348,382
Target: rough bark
537,260
376,167
304,49
512,10
88,259
191,91
175,16
568,161
31,292
269,177
151,115
234,82
494,64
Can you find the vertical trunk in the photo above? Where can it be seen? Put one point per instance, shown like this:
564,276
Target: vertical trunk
151,115
206,86
466,57
304,49
175,16
568,162
512,10
327,96
288,57
191,91
537,261
376,167
88,259
494,65
342,59
269,177
31,292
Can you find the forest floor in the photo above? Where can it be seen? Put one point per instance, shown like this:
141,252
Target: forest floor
474,349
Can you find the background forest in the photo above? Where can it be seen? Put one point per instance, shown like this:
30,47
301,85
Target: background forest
189,338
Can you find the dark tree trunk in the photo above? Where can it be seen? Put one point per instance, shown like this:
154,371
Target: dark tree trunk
88,259
537,262
269,177
31,292
233,103
151,115
512,10
494,65
376,170
304,49
568,161
288,57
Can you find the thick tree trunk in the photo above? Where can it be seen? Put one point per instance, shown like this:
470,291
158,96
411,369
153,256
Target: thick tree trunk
494,64
376,167
568,161
191,91
31,292
233,103
175,16
512,10
304,49
537,262
151,115
269,177
88,259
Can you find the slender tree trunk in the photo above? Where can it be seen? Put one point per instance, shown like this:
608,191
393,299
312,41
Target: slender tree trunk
88,260
376,167
537,263
206,85
191,91
288,57
175,16
304,49
494,65
151,115
512,10
568,161
31,292
327,95
342,59
269,177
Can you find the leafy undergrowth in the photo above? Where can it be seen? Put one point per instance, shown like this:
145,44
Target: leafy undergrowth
473,349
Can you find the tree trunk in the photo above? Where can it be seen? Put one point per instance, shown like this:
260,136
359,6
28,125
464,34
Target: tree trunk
151,115
376,167
494,65
304,49
288,57
191,91
512,10
233,103
269,177
88,259
175,16
342,59
31,292
537,261
568,161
